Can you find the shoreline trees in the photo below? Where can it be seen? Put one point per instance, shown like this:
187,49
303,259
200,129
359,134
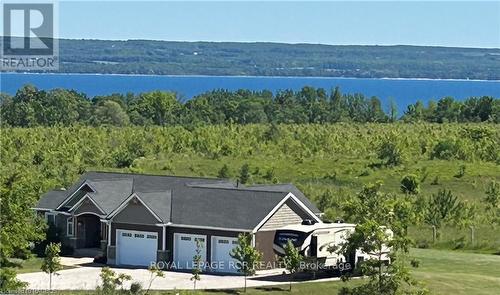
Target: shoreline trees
31,107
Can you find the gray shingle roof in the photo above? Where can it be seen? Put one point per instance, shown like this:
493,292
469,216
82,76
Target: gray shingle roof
192,201
159,202
226,208
288,187
110,194
51,199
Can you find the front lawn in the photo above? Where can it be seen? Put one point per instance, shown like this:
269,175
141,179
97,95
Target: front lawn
441,271
29,265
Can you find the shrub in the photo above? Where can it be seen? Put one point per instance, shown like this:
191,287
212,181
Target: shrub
325,200
461,171
123,159
410,184
449,149
244,173
365,172
422,244
390,153
444,150
135,288
223,172
270,175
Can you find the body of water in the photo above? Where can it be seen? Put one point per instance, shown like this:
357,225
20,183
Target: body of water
403,91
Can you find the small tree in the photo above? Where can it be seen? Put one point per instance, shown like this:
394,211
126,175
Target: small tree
108,281
246,256
197,263
292,260
223,172
492,198
121,278
381,222
51,262
154,272
244,173
442,207
410,184
391,153
492,201
467,216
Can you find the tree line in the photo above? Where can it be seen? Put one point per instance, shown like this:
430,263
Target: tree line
277,59
31,107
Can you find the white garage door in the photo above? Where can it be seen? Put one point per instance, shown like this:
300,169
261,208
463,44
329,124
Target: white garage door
136,247
221,260
185,249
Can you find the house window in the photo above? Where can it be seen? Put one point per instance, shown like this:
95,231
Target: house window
50,218
69,226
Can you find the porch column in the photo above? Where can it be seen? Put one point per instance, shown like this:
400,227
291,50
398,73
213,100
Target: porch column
104,236
74,237
109,232
164,238
111,253
162,255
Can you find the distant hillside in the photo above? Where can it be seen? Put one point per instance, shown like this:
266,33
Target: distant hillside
276,59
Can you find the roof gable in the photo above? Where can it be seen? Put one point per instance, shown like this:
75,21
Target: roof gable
87,205
135,210
75,194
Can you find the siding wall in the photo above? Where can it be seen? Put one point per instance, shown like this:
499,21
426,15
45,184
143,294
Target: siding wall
264,243
87,206
135,213
289,213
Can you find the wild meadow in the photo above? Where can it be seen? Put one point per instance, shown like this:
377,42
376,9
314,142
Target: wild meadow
330,163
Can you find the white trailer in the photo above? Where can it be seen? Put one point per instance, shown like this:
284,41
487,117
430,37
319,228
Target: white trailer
319,244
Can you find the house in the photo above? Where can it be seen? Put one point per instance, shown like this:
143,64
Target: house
136,219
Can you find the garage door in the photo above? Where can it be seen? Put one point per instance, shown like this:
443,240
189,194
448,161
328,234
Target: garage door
136,247
185,249
221,260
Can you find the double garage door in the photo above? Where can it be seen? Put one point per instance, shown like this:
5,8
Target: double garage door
185,247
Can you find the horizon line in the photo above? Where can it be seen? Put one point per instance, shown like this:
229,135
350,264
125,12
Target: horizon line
267,42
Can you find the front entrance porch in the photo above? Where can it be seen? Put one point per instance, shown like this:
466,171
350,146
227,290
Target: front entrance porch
88,233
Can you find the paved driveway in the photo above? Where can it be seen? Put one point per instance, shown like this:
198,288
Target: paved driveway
87,278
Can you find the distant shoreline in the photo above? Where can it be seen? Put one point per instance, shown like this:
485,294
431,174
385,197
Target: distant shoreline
250,77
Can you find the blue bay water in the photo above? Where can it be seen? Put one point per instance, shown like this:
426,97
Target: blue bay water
403,92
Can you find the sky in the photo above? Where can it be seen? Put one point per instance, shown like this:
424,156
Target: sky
445,23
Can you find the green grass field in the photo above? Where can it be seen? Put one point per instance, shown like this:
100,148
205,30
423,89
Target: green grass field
458,273
30,265
441,272
346,176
